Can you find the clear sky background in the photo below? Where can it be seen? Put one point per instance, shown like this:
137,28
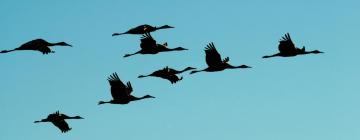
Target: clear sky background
312,97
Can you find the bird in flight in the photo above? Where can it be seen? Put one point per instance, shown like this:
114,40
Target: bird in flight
214,61
287,48
120,92
58,119
40,45
142,29
148,46
168,74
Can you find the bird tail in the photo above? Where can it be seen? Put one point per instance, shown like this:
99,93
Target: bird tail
6,51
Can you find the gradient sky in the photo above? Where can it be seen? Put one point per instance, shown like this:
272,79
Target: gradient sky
312,97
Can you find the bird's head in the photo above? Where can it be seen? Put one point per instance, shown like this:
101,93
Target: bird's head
180,49
115,34
244,66
63,44
78,117
101,102
165,27
316,51
148,96
127,55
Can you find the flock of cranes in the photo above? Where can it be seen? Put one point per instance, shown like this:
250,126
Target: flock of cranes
121,92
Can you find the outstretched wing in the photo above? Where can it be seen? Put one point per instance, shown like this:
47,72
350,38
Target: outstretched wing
173,78
53,115
36,44
227,59
129,88
147,42
286,45
168,74
62,125
58,121
118,88
44,50
213,57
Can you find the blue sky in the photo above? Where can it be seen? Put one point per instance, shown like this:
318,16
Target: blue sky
301,98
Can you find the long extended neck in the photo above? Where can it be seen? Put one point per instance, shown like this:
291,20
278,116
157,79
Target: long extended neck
174,49
6,51
186,69
274,55
139,98
196,71
116,34
238,67
128,55
75,117
142,76
104,102
161,27
309,52
55,44
233,67
43,120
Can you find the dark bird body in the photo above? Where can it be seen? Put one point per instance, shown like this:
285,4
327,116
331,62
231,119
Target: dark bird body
168,74
59,121
142,29
214,61
37,45
120,92
148,46
287,49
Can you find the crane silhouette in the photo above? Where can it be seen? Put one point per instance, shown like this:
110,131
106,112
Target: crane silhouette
38,45
214,62
58,120
287,48
142,29
120,92
148,46
168,74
